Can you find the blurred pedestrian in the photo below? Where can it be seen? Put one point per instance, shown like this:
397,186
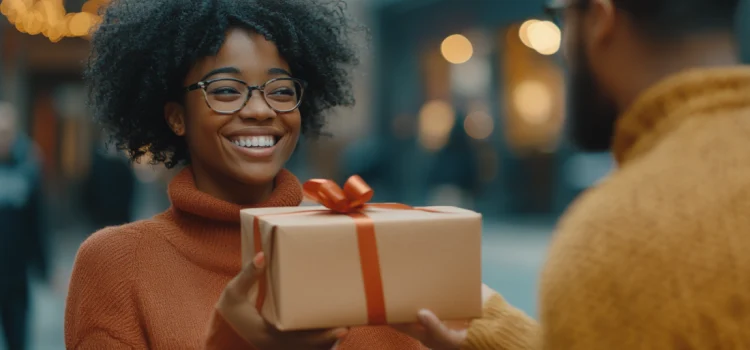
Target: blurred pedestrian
21,226
655,256
456,165
109,205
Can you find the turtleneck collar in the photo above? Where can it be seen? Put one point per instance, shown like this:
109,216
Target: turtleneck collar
208,229
662,108
186,198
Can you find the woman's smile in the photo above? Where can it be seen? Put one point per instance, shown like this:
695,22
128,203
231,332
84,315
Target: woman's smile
255,147
257,143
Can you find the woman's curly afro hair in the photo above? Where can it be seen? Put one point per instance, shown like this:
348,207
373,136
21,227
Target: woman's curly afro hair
142,51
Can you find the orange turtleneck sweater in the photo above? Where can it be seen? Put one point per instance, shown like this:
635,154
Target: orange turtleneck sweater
656,256
153,284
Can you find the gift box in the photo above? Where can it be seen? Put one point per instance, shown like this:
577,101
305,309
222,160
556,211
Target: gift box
350,263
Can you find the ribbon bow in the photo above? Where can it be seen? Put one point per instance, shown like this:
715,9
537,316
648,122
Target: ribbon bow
353,197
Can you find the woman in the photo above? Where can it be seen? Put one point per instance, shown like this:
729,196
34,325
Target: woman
225,87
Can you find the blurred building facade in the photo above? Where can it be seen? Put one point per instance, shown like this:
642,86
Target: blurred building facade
460,102
481,79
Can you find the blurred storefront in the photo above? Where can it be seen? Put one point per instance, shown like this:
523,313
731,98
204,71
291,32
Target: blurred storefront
42,75
470,104
43,80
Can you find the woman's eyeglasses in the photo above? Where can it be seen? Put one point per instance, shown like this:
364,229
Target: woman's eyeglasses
228,95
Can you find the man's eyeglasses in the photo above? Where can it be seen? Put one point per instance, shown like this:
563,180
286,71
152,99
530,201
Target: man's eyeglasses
229,95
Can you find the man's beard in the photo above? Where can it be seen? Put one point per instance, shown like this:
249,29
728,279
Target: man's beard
591,115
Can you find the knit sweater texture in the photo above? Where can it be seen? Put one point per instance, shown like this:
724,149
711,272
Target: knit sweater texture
154,284
656,255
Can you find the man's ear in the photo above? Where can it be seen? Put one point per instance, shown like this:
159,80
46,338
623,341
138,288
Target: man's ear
603,20
174,113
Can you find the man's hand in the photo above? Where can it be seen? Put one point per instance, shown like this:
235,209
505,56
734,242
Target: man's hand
438,335
435,334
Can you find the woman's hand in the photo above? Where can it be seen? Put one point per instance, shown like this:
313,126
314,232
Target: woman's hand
239,311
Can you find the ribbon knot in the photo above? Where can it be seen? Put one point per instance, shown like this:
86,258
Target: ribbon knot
352,198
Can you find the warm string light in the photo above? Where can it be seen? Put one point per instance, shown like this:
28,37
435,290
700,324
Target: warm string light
48,17
543,36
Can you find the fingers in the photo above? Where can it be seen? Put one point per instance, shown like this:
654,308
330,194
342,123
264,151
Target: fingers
487,293
326,337
316,337
438,331
431,323
241,284
433,333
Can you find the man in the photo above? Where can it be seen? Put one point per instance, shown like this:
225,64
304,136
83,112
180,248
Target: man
20,226
656,256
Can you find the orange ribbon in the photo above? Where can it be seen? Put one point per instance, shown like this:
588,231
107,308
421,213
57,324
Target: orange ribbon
353,197
350,200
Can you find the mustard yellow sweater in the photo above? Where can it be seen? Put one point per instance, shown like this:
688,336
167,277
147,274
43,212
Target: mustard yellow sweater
657,256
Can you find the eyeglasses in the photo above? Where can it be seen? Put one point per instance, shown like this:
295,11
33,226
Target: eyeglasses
228,95
555,10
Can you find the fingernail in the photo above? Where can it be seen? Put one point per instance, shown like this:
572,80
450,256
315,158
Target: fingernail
259,260
424,315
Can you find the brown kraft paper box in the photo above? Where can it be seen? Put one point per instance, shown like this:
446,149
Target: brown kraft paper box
315,277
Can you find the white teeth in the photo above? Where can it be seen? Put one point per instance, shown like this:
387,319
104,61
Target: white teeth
254,141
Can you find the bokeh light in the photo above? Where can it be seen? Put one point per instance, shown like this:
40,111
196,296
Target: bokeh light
533,101
544,37
457,49
48,17
523,32
479,125
436,120
81,23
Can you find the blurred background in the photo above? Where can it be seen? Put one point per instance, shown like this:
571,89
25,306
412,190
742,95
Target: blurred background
459,102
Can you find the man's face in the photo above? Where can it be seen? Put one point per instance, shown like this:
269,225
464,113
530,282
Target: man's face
7,130
591,114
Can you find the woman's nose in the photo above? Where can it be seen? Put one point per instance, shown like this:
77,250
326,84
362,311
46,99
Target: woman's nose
257,107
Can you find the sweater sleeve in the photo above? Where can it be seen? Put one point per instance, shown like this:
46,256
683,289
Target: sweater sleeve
502,327
101,310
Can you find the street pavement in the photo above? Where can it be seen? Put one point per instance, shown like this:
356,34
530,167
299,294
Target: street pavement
512,256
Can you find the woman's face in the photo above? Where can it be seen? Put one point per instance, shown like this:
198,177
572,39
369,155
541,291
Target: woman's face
251,145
